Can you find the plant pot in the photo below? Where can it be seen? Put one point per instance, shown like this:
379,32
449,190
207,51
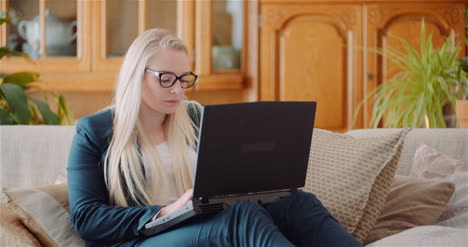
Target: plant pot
462,113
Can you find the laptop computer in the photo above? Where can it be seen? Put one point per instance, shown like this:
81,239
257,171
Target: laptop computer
255,152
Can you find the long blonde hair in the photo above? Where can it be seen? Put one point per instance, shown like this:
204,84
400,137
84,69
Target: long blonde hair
133,173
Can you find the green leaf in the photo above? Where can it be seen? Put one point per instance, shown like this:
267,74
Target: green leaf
17,102
464,64
35,119
6,51
64,110
48,116
21,78
5,118
4,20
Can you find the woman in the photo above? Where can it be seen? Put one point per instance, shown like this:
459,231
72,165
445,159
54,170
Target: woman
134,162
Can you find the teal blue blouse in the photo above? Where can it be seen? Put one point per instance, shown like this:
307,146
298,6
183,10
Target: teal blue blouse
94,219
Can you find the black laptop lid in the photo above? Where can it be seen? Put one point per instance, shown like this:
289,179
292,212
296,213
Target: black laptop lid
253,147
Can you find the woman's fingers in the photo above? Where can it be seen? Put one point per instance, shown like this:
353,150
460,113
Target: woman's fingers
187,196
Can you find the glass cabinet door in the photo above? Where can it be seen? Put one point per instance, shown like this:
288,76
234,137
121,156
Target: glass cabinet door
24,32
220,41
227,37
49,32
119,22
61,28
122,26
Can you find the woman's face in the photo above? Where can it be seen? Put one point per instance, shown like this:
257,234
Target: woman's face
156,98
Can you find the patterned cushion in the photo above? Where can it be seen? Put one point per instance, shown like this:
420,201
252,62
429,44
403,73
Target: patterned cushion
429,163
45,212
352,176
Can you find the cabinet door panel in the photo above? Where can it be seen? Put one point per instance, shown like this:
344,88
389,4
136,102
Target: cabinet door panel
312,67
310,54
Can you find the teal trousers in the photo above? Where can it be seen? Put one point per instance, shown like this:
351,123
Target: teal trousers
297,220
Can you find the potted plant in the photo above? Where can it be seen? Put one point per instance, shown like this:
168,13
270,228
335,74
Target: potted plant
415,97
17,107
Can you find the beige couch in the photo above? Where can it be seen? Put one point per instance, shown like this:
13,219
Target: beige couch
34,156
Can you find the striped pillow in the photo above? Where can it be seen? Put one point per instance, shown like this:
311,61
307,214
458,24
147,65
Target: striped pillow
45,212
352,176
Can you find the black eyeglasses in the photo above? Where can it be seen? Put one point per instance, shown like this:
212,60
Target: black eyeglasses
168,79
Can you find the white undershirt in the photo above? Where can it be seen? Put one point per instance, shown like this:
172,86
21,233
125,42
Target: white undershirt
166,159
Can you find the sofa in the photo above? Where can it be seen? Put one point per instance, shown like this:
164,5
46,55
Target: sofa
406,201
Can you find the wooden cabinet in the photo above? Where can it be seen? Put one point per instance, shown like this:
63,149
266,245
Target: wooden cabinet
105,29
320,50
307,53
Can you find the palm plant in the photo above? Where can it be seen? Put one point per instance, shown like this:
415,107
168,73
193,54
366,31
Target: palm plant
415,96
17,107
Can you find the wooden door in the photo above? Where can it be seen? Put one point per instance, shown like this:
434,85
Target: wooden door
387,22
311,52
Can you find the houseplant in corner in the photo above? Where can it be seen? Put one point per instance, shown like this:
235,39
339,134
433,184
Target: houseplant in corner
415,97
17,107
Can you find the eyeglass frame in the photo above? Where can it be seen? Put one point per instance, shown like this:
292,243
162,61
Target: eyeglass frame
159,74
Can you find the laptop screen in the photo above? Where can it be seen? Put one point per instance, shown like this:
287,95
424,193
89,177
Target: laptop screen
253,147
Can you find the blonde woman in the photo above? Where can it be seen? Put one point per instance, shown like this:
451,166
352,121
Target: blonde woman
134,162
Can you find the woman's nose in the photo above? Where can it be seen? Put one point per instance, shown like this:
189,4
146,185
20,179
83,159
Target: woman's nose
176,88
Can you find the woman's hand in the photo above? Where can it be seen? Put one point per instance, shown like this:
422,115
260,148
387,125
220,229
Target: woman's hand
187,196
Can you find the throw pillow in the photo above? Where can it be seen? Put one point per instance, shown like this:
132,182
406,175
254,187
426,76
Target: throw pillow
411,202
429,163
12,231
45,212
352,176
425,236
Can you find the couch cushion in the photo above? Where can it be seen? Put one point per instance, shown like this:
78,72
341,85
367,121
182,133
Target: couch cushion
429,163
451,142
33,155
12,231
411,202
45,212
425,236
352,176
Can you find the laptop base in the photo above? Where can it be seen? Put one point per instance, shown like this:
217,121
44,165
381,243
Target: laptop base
204,206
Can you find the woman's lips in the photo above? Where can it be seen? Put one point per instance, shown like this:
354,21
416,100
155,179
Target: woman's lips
172,101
